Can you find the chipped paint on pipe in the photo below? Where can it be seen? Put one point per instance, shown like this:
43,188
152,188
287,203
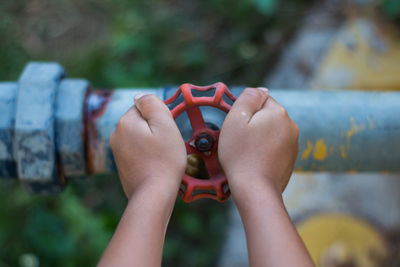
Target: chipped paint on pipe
345,131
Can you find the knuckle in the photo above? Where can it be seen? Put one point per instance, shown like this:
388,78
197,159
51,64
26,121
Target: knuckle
254,93
147,101
282,111
122,122
235,115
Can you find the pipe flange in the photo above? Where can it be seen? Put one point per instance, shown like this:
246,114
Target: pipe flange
69,126
34,140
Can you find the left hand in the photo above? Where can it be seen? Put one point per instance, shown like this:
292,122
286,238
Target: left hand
148,148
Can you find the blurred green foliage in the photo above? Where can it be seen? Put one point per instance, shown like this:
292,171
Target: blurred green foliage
132,43
147,42
392,8
61,230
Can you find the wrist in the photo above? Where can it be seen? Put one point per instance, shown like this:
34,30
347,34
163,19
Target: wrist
269,203
255,191
156,189
153,201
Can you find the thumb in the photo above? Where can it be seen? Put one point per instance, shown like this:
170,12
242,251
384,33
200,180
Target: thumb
250,101
153,110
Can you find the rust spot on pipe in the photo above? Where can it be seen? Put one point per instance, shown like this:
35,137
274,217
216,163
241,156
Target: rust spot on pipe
95,105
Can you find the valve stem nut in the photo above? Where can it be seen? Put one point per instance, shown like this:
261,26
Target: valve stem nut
204,142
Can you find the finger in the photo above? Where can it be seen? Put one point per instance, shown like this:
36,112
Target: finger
153,110
132,118
270,109
249,102
272,106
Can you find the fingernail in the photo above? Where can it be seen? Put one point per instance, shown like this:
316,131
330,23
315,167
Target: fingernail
139,95
263,89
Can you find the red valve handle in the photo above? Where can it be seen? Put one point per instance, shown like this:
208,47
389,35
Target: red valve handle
204,140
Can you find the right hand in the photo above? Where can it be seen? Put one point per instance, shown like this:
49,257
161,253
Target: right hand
258,144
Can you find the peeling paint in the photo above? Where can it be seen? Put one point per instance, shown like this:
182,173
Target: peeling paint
343,151
354,129
96,103
320,150
307,151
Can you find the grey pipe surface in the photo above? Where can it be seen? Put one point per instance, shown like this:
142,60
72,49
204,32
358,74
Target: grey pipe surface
340,131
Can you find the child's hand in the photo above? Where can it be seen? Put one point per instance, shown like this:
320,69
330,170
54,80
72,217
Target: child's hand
258,144
151,158
257,150
148,148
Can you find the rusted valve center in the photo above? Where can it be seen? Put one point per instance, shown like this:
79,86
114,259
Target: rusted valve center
204,142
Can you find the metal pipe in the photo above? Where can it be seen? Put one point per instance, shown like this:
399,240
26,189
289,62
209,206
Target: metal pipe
340,131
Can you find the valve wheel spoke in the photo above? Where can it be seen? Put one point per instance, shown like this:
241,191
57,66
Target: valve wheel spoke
212,164
196,119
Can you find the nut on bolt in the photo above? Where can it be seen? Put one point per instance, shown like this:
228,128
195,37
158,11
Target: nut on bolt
204,142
